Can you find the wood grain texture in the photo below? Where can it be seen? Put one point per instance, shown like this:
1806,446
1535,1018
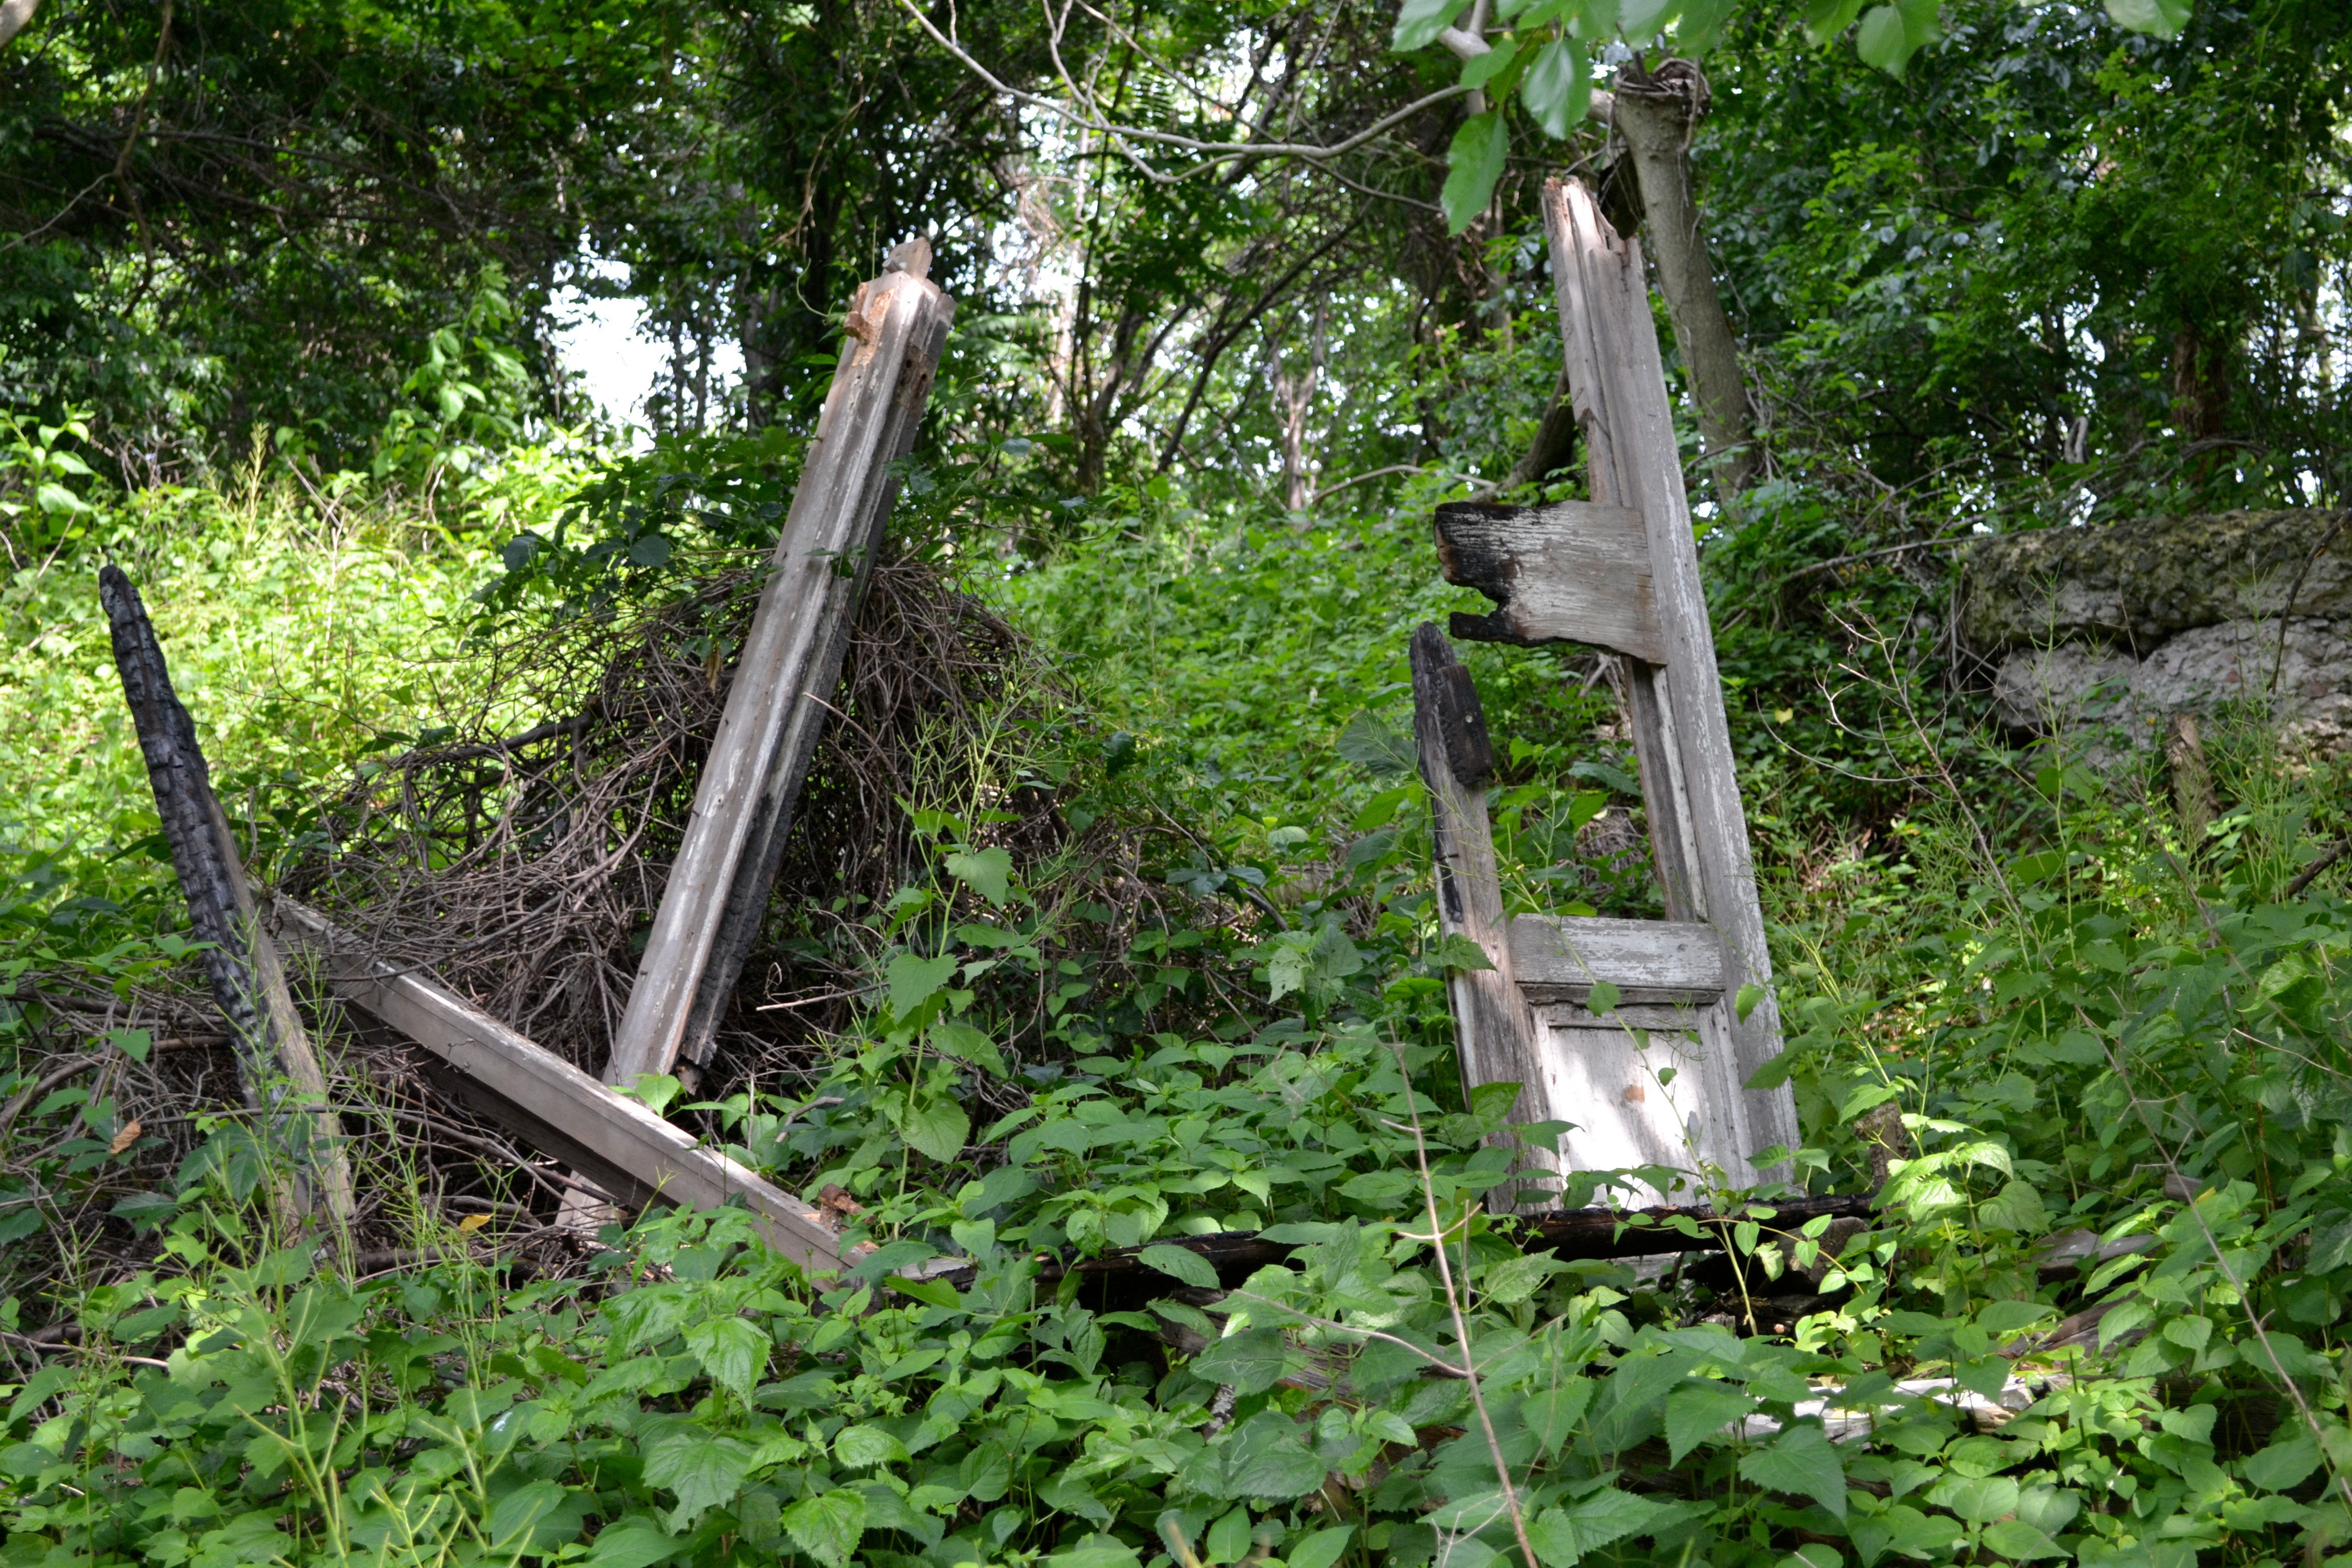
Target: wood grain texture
1570,572
609,1130
1495,1029
1558,958
1682,738
277,1070
715,897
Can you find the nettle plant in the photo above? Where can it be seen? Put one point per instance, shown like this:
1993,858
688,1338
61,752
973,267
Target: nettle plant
1409,1386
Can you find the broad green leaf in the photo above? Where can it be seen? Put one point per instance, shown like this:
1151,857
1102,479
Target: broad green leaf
930,1292
953,1038
1699,1412
1321,1549
862,1448
1701,24
2008,1317
538,1518
2330,1248
700,1471
1418,22
1229,1538
913,981
637,1542
1553,1414
1517,1278
1563,1535
2019,1541
1800,1462
1265,1458
1480,69
1473,164
1180,1263
988,872
1640,21
1825,19
985,1473
1975,1500
1884,41
732,1351
940,1128
2282,1465
2017,1207
1750,995
2164,19
828,1526
1250,1361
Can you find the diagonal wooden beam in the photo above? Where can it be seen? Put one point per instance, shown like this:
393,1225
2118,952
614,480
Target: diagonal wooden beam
716,898
608,1137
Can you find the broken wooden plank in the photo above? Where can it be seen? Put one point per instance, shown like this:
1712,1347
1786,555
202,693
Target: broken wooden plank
1558,958
716,898
1570,572
611,1139
1494,1026
277,1070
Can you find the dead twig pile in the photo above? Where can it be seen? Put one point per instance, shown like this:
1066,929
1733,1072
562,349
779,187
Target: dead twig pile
523,869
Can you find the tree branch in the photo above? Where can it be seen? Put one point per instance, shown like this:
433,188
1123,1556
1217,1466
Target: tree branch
1214,152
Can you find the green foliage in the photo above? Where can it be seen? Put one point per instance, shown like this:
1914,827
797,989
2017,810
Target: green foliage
1547,50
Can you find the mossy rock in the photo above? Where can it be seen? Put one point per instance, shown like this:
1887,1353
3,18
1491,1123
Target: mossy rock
2135,585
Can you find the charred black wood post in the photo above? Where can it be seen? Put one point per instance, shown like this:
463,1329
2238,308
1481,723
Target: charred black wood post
277,1068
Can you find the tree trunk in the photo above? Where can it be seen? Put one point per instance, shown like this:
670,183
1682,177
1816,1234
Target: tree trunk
1293,400
13,15
1554,446
1656,114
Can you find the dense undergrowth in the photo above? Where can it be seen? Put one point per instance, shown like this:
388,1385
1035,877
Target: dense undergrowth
2079,1019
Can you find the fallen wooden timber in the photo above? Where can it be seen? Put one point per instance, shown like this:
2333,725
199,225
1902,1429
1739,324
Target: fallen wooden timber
636,1155
608,1138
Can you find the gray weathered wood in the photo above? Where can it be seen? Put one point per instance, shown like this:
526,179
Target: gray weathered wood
619,1141
1684,742
1495,1028
1570,572
277,1071
716,897
1558,958
1636,1090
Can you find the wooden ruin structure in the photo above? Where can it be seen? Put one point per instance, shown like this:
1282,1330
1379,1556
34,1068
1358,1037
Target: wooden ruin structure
1621,573
1659,1075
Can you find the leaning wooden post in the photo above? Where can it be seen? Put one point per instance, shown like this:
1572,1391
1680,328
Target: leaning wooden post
1495,1029
717,895
277,1068
1615,372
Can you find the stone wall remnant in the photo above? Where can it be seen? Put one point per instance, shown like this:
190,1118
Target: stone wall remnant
2121,625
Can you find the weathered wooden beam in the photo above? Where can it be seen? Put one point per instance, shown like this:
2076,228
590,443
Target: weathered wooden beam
277,1070
1570,572
716,897
1683,740
608,1137
1559,959
1494,1026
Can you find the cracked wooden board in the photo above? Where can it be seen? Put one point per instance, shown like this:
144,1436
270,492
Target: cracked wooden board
1570,572
567,1114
